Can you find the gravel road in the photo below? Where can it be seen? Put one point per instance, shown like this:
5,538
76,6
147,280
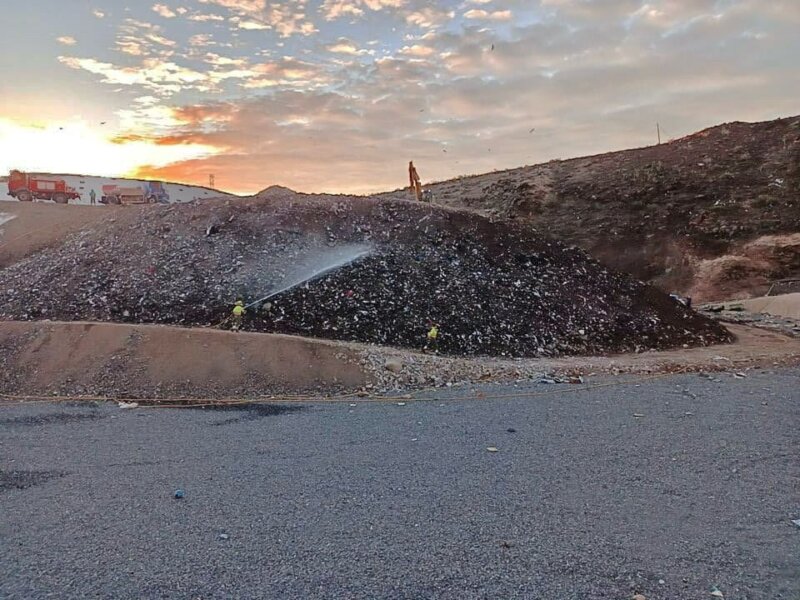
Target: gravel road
664,487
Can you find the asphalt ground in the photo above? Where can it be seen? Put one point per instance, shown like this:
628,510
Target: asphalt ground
664,487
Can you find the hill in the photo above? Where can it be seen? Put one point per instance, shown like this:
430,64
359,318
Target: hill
714,215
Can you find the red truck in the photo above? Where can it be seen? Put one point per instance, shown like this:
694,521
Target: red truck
27,186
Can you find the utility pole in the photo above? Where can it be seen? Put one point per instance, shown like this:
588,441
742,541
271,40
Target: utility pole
658,131
211,180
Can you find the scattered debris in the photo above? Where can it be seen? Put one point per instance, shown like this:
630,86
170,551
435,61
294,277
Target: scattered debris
128,404
179,494
796,522
492,449
496,289
715,591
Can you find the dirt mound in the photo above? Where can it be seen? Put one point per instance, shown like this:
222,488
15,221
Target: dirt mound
658,212
276,192
495,288
145,361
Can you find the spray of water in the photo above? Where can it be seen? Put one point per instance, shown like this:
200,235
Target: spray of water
316,265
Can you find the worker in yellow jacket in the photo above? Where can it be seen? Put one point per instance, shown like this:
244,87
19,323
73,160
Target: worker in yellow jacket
432,343
238,313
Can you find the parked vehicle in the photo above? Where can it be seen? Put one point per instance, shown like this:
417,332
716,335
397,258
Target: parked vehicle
114,194
27,187
155,191
148,193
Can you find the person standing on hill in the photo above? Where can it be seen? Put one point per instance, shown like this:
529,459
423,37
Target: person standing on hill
92,197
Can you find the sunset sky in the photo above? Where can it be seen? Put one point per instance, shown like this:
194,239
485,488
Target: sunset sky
338,95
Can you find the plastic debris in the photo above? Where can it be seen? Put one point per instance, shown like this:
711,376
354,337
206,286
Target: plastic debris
796,522
492,449
179,494
128,404
715,591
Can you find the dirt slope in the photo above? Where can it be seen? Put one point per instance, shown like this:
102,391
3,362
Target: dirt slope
152,361
715,214
497,289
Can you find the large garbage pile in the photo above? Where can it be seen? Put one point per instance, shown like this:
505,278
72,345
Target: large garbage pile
365,270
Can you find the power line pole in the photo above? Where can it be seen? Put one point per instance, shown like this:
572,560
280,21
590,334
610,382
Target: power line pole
658,131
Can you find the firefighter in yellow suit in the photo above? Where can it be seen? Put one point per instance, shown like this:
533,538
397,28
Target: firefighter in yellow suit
432,343
238,312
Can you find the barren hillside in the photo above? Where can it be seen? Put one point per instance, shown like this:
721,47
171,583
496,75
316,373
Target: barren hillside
715,214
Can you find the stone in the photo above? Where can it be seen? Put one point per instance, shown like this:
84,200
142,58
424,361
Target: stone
395,365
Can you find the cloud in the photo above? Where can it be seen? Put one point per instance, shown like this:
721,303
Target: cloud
98,13
253,25
429,17
202,39
161,77
164,11
345,46
240,6
417,51
497,15
203,18
138,38
336,9
224,61
286,18
67,40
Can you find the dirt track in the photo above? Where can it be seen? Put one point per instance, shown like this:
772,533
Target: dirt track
147,361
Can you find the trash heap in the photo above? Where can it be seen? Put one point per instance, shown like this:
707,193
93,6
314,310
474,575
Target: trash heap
498,289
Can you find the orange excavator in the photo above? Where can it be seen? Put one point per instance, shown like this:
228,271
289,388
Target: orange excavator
416,186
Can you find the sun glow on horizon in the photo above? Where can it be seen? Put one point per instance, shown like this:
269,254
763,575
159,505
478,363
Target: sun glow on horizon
75,147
